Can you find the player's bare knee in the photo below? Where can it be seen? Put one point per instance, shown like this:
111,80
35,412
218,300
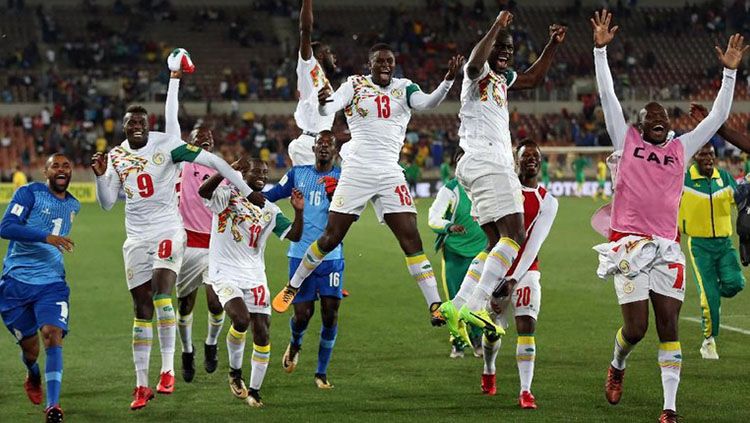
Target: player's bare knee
52,336
518,235
329,317
633,333
214,307
260,334
185,305
240,323
143,308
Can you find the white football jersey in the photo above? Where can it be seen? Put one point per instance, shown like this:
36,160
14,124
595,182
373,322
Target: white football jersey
310,80
149,176
377,118
485,122
238,242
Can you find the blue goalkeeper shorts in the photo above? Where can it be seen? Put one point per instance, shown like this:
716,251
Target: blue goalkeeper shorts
25,307
326,281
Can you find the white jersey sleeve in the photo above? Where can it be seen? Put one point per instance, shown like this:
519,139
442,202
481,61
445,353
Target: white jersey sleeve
695,139
613,117
219,199
171,109
443,201
536,236
419,100
108,187
340,99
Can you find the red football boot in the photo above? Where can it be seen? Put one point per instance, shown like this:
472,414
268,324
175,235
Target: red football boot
33,390
166,383
613,386
669,416
527,401
488,385
141,396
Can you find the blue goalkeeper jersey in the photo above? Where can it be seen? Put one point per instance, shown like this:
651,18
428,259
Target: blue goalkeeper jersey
32,215
306,179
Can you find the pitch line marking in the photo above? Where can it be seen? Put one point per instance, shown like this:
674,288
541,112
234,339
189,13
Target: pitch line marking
725,327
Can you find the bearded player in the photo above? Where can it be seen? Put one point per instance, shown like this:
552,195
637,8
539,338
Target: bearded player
378,108
146,167
314,62
34,295
237,268
194,272
643,255
539,211
487,169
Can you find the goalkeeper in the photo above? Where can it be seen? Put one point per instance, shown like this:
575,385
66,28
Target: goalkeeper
461,239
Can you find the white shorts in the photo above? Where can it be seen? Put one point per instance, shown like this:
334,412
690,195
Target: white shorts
257,298
526,299
300,150
142,256
494,190
667,279
388,192
194,271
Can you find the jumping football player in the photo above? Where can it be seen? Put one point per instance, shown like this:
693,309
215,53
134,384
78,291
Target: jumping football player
33,291
316,183
487,169
237,272
146,167
539,211
194,271
314,62
647,263
378,108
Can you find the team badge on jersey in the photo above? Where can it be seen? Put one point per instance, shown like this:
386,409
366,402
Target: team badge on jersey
338,201
129,274
267,217
397,92
624,267
629,287
158,159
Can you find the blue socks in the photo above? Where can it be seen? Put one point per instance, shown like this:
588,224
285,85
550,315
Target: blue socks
298,332
53,374
327,340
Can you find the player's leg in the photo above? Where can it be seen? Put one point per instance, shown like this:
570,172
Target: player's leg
667,314
170,249
706,274
732,281
474,273
29,356
185,305
261,325
215,324
404,226
143,308
526,300
304,308
329,313
53,342
335,231
457,268
237,311
632,295
52,312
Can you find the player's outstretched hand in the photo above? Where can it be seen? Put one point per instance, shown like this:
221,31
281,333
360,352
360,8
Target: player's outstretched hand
457,229
297,200
454,65
504,19
99,163
179,61
603,34
557,33
241,164
62,243
698,111
330,185
736,48
324,94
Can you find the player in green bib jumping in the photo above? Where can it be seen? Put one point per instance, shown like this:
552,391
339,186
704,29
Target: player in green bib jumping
460,238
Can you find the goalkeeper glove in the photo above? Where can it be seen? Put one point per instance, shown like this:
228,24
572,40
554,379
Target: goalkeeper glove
330,185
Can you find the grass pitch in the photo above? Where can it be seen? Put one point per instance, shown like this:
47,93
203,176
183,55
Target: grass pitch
389,364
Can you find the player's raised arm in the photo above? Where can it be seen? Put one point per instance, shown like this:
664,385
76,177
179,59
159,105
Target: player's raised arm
330,104
483,49
613,117
305,30
542,226
107,182
731,58
419,100
534,75
734,137
178,62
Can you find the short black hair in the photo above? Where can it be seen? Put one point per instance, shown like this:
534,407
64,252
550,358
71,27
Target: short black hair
325,132
526,143
503,33
136,108
380,47
52,157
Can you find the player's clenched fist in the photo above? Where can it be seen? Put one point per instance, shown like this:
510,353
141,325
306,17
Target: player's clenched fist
62,243
330,185
99,163
179,60
454,65
324,94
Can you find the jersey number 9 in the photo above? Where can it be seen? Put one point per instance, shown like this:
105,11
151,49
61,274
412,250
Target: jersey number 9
145,185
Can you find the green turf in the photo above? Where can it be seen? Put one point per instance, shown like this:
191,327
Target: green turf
389,364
